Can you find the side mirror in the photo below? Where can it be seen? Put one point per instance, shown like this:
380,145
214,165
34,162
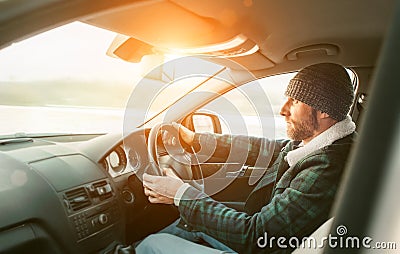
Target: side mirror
203,122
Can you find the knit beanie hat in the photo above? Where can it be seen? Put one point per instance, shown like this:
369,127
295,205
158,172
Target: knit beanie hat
325,87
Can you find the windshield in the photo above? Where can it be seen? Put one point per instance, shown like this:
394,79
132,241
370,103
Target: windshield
62,81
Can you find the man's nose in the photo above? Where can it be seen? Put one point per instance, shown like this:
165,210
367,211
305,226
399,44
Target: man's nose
285,109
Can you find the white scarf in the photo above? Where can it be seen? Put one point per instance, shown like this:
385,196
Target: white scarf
335,132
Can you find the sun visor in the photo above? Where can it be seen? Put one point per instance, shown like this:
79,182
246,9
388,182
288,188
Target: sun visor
164,25
128,49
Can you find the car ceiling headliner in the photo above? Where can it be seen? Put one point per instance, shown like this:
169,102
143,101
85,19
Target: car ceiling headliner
289,34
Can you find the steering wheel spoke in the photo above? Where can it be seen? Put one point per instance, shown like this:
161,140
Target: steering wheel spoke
178,159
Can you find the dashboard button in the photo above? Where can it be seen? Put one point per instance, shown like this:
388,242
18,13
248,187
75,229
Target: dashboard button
103,219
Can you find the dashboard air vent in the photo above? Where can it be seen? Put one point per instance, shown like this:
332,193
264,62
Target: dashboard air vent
99,184
102,189
77,199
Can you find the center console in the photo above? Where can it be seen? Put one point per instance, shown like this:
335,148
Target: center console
91,208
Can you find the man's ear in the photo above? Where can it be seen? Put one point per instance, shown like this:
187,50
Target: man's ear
323,115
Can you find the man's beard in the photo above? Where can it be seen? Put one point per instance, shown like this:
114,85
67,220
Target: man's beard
304,128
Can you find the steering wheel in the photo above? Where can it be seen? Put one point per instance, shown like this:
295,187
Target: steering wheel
179,160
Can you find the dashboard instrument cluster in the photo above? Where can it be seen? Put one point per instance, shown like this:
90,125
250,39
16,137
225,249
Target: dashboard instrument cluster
122,160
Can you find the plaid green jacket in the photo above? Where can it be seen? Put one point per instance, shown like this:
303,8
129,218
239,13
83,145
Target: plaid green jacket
287,201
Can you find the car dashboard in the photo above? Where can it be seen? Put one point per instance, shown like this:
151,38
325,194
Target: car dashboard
63,194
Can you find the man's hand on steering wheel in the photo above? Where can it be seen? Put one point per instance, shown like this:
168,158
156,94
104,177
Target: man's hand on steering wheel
186,136
162,189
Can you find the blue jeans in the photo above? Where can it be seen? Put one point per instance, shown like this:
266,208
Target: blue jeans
173,239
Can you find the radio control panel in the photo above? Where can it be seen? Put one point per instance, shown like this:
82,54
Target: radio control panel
94,219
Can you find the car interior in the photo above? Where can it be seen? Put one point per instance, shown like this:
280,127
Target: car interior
82,192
